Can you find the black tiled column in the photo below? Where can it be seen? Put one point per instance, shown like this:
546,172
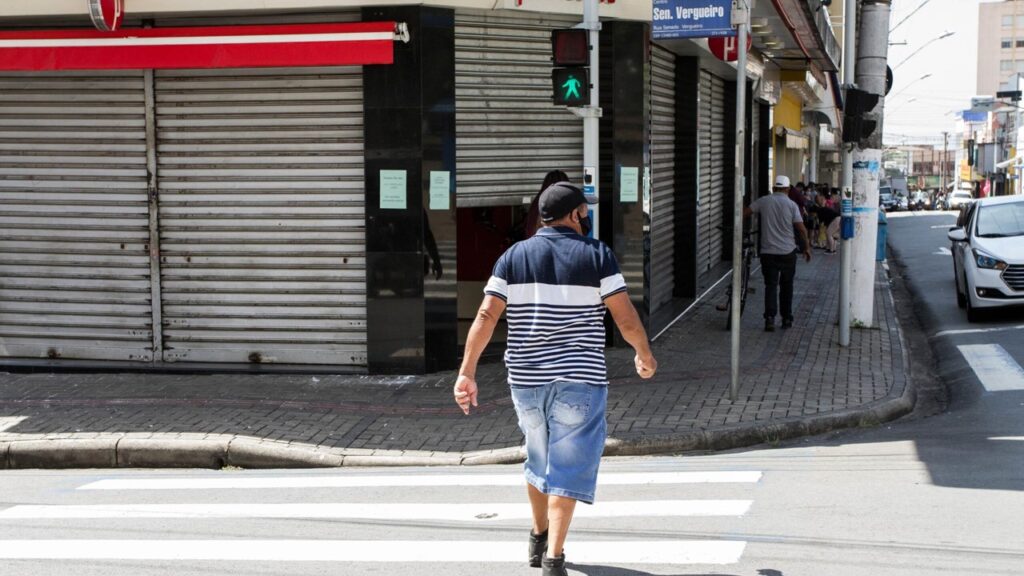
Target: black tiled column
687,160
409,117
625,127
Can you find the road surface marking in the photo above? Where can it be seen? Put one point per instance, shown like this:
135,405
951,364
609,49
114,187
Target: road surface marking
356,481
440,512
943,251
977,330
604,552
995,368
946,226
8,422
1008,438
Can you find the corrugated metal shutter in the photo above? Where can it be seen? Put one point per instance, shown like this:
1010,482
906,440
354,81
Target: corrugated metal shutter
508,132
74,217
712,170
663,137
262,215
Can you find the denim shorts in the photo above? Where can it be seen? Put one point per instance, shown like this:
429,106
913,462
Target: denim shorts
565,428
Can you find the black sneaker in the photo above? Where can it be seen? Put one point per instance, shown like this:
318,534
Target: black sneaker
769,325
538,546
554,566
787,323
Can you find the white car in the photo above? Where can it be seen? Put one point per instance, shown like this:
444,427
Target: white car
958,198
988,255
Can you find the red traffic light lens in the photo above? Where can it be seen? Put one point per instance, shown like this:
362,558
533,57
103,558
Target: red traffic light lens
569,47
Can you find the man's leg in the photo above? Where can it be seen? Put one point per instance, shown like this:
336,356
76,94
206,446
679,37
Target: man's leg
770,271
559,513
539,504
787,270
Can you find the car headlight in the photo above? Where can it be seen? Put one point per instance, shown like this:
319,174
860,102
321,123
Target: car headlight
986,261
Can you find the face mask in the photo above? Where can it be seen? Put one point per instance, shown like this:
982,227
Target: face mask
585,225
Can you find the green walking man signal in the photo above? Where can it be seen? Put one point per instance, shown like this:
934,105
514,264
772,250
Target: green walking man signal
570,54
571,86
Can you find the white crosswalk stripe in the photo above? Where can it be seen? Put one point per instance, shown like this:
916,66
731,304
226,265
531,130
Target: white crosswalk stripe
617,552
483,512
426,505
358,481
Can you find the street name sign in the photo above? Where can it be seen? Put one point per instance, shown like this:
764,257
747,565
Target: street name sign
691,19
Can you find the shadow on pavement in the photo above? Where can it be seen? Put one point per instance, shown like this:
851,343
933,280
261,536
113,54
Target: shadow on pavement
972,438
591,570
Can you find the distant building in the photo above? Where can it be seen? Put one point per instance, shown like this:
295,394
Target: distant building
1000,45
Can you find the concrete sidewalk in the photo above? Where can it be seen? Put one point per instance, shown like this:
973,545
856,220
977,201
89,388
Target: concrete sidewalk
794,382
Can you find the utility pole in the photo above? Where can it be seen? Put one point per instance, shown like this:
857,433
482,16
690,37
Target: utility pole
873,49
740,19
846,201
942,169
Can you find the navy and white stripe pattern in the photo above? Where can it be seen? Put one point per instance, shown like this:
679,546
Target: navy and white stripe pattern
554,285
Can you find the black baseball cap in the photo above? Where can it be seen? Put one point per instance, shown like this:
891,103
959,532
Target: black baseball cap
560,199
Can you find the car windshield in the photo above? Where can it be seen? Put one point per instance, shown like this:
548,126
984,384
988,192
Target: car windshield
1001,220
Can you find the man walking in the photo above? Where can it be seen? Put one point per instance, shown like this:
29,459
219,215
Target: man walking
556,286
780,216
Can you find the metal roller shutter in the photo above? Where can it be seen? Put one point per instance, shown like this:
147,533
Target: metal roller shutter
262,215
508,132
663,124
74,217
712,170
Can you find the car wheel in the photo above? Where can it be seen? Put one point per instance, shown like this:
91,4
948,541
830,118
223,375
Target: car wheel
973,314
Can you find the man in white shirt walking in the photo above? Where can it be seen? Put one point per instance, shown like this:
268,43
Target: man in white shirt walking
780,222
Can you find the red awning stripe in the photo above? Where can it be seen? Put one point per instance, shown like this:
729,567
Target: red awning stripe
200,47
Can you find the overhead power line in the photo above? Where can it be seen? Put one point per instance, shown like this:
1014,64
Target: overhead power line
907,17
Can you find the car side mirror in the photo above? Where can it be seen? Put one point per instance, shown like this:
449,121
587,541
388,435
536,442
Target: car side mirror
957,235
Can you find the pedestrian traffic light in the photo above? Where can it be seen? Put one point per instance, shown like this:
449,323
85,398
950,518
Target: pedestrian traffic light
570,78
571,86
855,126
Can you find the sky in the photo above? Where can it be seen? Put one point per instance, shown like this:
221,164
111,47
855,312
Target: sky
918,110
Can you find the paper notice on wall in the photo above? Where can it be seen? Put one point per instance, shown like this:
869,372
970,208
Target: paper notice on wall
393,189
629,184
440,188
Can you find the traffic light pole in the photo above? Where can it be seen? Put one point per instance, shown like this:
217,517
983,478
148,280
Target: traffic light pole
592,114
846,201
740,20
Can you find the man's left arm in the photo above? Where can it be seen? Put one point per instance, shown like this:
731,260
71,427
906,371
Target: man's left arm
803,234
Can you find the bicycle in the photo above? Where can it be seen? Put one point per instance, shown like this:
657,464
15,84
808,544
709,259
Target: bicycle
747,258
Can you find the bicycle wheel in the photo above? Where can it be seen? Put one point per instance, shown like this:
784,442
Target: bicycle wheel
747,262
728,307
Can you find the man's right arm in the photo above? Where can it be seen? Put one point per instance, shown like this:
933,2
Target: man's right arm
632,329
479,335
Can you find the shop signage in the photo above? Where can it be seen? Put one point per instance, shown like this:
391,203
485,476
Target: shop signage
974,116
106,15
199,47
692,19
724,47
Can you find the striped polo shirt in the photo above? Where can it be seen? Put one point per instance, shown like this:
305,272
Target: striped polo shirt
554,285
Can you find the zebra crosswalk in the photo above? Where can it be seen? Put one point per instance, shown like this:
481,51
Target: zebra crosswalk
358,520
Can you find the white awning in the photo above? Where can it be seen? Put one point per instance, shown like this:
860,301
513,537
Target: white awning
792,138
1011,161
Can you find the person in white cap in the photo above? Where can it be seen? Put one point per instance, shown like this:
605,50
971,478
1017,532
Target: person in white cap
780,221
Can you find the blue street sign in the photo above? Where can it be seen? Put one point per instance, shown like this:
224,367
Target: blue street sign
692,19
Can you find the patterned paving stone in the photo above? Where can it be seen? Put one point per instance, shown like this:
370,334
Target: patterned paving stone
789,373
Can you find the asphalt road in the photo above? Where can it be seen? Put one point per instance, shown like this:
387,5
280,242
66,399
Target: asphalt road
936,495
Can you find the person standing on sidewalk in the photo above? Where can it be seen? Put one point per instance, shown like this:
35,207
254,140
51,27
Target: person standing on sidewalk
533,221
556,287
780,217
